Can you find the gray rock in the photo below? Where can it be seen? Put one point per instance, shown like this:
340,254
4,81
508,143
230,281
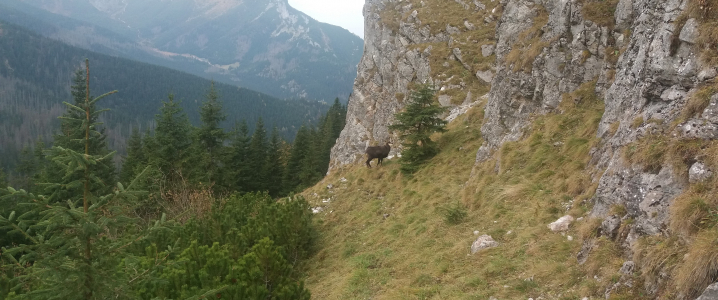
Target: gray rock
561,224
483,242
707,74
486,76
451,30
457,55
624,14
699,173
487,50
610,226
697,129
445,100
627,268
462,3
710,293
469,26
479,5
711,111
689,33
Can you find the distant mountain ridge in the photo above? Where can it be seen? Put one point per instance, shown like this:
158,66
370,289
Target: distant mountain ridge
264,45
35,77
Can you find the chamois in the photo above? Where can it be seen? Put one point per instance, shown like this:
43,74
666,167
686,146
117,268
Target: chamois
379,152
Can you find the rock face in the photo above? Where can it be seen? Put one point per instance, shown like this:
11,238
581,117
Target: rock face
711,293
396,56
643,68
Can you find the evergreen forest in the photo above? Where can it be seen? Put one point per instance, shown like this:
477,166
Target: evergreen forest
193,212
36,72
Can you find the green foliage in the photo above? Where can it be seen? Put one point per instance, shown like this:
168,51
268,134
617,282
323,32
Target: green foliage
68,253
454,213
38,70
171,140
258,158
210,135
274,165
248,248
135,158
239,173
416,124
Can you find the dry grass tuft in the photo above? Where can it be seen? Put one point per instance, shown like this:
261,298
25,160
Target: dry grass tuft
529,43
706,12
700,266
601,12
699,101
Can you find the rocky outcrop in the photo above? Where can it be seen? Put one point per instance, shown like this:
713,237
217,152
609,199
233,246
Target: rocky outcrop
394,57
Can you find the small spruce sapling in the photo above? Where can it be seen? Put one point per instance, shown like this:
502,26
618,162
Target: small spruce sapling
419,120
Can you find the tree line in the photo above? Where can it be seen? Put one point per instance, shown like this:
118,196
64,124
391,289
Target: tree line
38,71
192,213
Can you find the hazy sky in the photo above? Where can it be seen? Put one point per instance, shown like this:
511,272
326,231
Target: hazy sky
343,13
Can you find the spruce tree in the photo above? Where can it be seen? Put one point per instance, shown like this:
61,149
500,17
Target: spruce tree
72,136
239,169
172,140
297,158
3,179
419,120
258,157
274,166
210,135
331,126
73,249
135,157
26,169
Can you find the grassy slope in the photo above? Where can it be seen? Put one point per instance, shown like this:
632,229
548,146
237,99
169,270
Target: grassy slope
416,253
385,236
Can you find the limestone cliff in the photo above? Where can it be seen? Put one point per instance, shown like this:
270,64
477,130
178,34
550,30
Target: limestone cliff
652,62
405,46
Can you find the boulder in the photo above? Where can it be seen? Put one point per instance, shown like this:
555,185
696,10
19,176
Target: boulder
483,242
689,33
486,76
561,224
699,173
710,293
487,50
609,226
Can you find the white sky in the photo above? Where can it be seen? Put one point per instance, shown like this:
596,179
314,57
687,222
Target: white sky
343,13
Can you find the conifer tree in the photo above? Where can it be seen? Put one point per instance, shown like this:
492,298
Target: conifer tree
172,140
210,135
258,157
3,179
275,166
331,126
26,169
135,157
72,136
69,254
239,170
297,158
419,120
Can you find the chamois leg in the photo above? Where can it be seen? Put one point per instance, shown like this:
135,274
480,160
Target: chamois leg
367,163
379,163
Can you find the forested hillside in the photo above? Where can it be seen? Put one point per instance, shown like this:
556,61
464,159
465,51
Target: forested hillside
35,75
193,213
265,46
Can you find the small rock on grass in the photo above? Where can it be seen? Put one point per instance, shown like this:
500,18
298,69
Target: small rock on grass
561,224
483,242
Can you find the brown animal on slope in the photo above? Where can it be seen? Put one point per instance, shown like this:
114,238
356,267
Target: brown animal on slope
379,152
